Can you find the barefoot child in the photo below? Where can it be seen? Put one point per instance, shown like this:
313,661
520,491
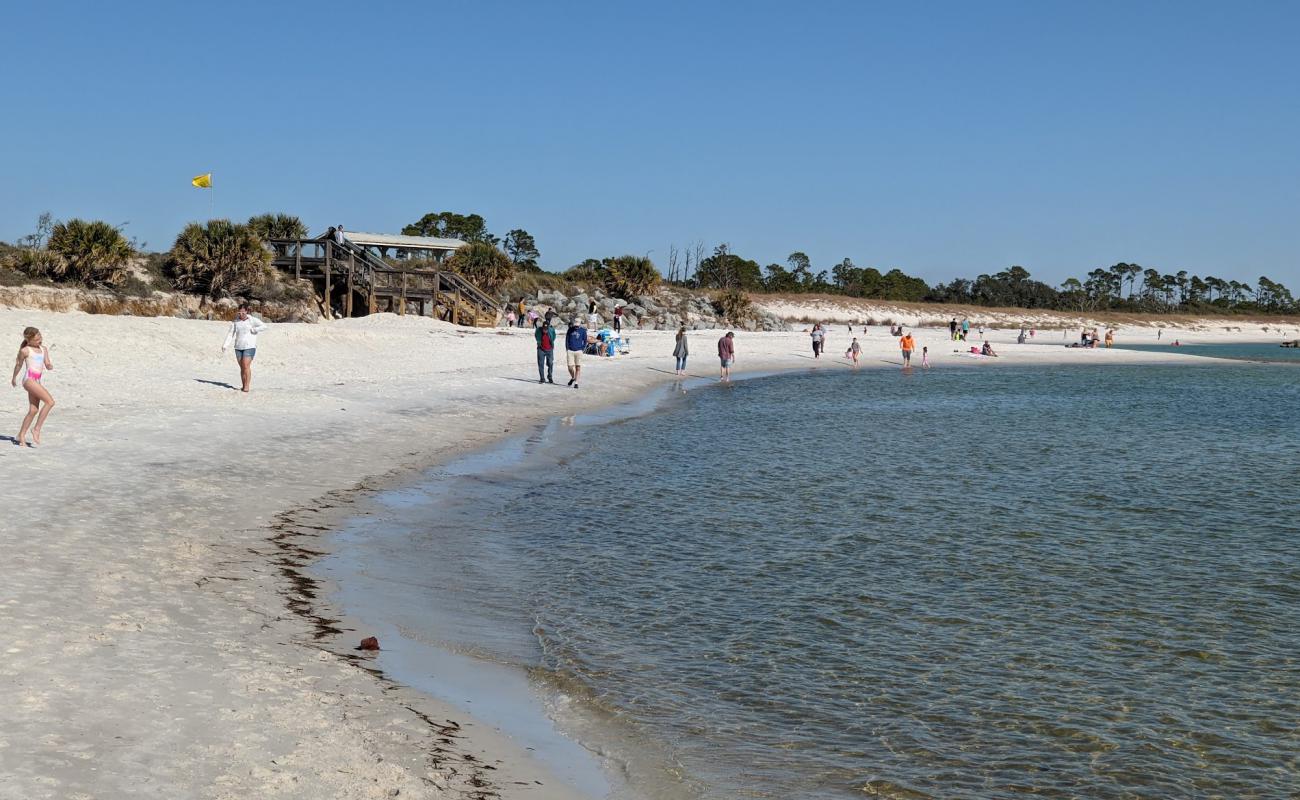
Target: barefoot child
854,352
33,361
925,357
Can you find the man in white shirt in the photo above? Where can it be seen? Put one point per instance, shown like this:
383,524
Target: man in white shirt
243,335
338,236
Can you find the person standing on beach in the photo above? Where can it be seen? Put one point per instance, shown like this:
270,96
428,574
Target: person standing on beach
727,355
545,336
33,362
818,336
952,329
618,319
854,352
907,344
243,335
965,328
681,350
575,344
925,357
523,312
1110,337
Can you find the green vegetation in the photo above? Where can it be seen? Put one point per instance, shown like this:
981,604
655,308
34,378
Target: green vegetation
522,249
733,304
278,226
519,245
484,264
220,259
91,253
1148,290
628,276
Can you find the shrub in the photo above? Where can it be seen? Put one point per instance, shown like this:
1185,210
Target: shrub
626,276
219,259
134,286
588,271
733,304
278,226
94,253
38,263
483,264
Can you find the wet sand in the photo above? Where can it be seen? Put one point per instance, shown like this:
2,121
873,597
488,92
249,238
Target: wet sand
161,638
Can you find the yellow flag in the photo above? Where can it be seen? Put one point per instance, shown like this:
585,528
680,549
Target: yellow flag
203,181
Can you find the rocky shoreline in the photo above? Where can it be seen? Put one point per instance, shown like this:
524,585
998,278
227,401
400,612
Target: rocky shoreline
665,308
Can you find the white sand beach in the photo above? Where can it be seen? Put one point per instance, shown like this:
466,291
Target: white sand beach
150,647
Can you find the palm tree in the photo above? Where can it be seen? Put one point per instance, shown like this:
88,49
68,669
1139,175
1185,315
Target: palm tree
628,276
221,258
484,264
94,253
278,226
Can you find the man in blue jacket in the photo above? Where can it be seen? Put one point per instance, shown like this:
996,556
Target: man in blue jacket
575,343
545,335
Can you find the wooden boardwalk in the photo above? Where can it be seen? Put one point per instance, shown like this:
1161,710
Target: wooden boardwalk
352,282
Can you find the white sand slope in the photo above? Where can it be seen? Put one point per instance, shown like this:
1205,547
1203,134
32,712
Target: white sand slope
148,648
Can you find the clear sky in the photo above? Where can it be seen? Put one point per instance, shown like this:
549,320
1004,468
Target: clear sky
944,138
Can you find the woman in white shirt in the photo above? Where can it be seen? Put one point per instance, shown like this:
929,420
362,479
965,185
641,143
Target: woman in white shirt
243,335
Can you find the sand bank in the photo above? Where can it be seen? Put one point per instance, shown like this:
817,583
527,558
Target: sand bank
149,646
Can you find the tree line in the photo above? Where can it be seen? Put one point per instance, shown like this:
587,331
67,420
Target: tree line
1122,287
224,258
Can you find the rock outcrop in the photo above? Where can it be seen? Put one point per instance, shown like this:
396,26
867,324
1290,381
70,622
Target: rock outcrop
665,308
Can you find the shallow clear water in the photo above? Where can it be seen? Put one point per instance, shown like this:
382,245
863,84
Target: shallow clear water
958,583
1248,351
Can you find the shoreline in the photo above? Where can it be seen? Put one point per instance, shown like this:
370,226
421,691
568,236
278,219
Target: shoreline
147,598
525,711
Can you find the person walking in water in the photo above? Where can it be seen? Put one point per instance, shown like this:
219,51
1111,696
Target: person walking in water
727,355
818,336
243,334
681,350
925,357
907,344
33,362
545,336
854,351
575,344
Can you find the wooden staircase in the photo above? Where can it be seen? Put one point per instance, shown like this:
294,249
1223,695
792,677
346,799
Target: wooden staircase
351,281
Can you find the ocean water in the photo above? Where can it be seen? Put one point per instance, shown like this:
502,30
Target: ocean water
966,582
1248,351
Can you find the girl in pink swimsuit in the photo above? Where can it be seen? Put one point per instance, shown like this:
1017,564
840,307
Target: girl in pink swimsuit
33,362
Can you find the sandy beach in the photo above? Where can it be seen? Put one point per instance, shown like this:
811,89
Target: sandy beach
157,641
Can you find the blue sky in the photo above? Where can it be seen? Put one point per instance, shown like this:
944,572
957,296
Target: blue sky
944,138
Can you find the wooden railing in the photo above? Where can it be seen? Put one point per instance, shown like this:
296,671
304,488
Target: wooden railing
377,278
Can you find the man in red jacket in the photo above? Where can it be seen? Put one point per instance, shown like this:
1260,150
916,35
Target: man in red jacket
727,354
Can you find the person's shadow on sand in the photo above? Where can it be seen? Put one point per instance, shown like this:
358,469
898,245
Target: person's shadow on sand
216,383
